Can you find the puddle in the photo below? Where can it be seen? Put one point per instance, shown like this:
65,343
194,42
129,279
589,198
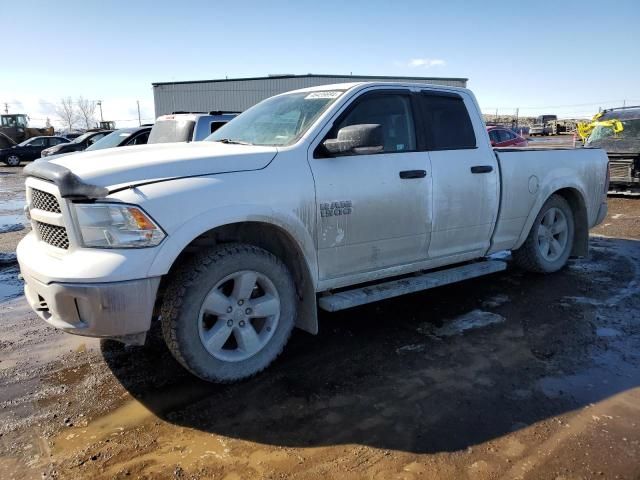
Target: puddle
7,258
10,285
608,332
468,321
13,204
130,415
12,223
609,376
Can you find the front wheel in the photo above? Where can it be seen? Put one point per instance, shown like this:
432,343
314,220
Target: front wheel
550,241
229,312
12,160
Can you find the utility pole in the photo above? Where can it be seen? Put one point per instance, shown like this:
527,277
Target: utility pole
517,111
99,102
6,108
496,116
139,120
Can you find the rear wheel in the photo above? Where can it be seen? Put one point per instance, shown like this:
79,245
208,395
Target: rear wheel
549,244
229,312
12,160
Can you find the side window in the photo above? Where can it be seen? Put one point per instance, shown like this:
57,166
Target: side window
95,138
493,136
54,141
139,139
38,142
447,122
504,135
216,125
392,112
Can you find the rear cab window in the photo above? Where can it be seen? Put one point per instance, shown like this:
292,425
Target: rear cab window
216,125
446,121
171,129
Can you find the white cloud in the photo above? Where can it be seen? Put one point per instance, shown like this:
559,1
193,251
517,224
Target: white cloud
425,62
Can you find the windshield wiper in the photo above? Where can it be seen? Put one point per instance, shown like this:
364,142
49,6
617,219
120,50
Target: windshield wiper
235,142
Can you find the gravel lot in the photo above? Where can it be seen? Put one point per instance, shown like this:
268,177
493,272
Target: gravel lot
509,376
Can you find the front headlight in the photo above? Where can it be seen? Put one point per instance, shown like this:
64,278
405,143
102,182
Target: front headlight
115,225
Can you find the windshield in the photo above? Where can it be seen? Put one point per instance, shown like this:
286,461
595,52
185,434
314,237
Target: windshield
82,137
628,140
172,130
112,140
280,120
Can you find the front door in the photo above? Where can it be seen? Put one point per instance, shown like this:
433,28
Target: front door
374,209
34,147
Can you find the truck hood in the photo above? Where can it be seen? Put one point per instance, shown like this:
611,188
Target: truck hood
121,167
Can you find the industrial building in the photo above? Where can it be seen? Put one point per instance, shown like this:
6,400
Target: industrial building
238,94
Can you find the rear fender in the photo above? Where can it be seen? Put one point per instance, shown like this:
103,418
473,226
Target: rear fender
566,187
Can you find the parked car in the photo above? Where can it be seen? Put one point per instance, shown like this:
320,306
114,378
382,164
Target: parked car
188,127
83,141
504,137
544,125
123,137
331,196
72,135
29,149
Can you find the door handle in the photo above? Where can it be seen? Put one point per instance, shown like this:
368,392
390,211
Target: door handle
482,169
413,174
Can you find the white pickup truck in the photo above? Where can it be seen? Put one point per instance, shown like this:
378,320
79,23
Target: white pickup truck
331,196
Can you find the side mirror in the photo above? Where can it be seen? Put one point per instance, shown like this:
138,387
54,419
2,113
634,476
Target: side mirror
493,143
363,139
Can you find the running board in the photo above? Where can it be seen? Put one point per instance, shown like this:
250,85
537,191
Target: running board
395,288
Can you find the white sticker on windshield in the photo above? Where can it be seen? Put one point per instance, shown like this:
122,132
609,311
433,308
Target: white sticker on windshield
327,94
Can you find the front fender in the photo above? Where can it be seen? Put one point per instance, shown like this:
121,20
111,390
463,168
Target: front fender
182,236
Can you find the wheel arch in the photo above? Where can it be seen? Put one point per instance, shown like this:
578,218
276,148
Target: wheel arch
576,199
276,240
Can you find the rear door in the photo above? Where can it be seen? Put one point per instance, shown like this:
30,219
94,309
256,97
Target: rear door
373,209
465,175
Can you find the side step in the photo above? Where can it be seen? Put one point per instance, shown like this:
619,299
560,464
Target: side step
395,288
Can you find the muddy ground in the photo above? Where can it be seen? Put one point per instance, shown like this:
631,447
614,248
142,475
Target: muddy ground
509,376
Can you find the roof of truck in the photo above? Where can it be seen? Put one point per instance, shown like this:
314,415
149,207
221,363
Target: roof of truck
350,85
621,113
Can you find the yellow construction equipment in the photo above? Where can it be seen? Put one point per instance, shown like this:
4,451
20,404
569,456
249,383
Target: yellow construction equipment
584,129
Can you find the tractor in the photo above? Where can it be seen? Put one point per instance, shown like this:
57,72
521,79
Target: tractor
16,127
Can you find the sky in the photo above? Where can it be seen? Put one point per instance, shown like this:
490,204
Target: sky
563,57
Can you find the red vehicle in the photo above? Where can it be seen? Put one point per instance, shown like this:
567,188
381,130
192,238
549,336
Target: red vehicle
504,137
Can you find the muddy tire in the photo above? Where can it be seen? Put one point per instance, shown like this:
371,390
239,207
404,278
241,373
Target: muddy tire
12,160
550,241
228,312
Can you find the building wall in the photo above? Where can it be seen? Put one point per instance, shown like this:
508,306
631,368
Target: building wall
240,94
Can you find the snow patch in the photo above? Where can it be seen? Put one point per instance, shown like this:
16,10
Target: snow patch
469,321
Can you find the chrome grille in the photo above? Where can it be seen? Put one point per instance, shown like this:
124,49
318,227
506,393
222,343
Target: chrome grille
52,234
44,201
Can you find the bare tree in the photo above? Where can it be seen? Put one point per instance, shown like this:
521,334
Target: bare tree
67,113
87,110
